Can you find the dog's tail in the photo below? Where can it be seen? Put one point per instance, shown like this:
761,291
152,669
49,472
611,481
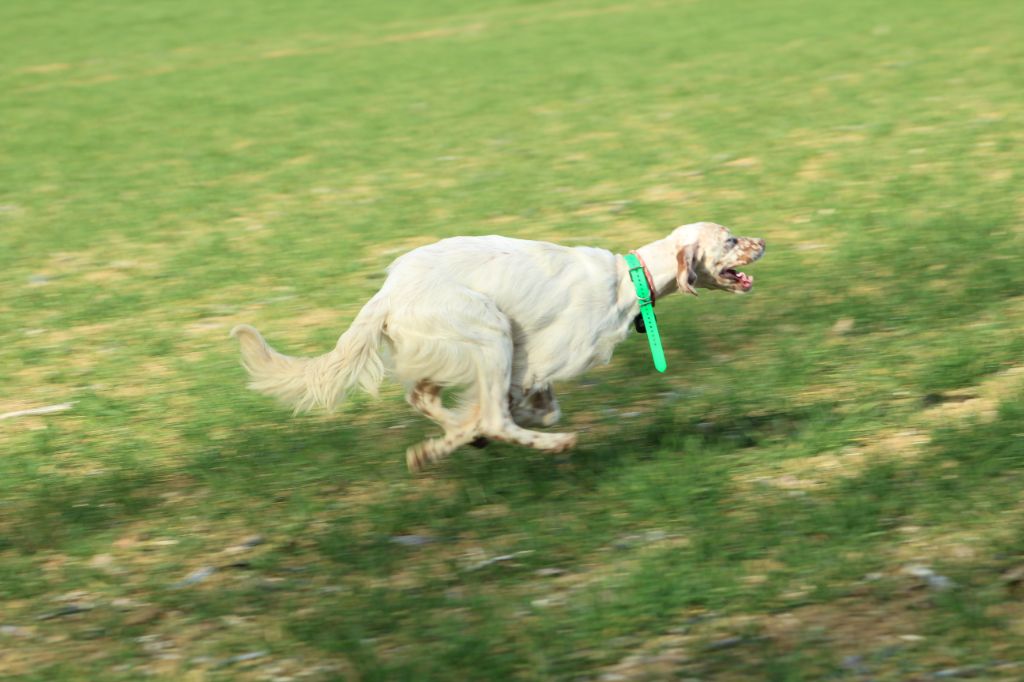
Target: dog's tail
307,383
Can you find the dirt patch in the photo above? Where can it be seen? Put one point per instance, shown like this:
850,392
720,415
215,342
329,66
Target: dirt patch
973,538
855,631
45,68
747,162
959,407
139,379
435,33
664,194
814,168
979,402
851,626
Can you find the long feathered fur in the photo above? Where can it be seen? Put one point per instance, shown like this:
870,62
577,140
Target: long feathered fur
324,381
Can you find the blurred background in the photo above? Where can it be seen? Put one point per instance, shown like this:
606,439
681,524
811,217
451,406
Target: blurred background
825,484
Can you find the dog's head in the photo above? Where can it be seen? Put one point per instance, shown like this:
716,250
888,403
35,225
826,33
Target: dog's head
708,256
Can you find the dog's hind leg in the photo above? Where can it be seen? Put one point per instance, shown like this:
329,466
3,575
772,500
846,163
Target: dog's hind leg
494,391
458,429
481,361
488,415
435,449
425,397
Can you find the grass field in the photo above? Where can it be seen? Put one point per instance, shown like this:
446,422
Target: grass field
825,485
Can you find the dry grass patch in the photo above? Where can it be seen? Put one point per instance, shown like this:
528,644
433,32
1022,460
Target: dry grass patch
908,442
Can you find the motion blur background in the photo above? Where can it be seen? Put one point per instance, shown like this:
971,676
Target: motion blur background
826,483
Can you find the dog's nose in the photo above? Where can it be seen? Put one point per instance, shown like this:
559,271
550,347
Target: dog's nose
760,242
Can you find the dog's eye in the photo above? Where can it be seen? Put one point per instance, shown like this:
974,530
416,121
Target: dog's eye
731,242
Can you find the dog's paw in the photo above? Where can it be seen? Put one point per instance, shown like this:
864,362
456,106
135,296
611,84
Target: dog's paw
420,456
416,458
551,418
561,442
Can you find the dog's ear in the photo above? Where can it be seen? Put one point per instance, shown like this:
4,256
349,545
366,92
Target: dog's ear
686,275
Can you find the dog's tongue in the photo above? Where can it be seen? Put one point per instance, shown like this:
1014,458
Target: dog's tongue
745,280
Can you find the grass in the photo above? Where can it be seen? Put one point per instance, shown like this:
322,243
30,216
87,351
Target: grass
172,169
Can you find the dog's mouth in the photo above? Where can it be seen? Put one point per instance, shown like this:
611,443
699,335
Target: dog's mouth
735,280
740,280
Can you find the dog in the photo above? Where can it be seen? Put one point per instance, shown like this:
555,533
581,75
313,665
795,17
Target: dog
502,320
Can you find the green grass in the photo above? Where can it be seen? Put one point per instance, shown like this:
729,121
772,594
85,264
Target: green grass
168,170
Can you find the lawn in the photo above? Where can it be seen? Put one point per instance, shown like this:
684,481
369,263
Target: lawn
824,485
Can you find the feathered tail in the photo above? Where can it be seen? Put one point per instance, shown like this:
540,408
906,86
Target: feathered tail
307,383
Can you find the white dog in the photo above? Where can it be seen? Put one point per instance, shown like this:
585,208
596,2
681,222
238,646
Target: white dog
502,319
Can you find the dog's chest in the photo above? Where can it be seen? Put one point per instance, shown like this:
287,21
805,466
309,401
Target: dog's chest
605,343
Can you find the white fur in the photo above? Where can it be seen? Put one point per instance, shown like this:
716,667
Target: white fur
501,318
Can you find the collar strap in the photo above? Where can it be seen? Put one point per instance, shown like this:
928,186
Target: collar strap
646,321
647,274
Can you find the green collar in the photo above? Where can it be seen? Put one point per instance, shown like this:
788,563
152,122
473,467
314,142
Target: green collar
638,273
